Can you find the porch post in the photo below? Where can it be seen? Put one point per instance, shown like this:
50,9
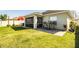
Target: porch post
35,22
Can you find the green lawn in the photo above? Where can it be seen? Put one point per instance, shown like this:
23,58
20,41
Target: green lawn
34,39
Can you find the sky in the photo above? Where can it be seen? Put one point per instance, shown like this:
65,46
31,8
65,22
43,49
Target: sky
16,13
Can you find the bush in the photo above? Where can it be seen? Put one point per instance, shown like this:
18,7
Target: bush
72,26
8,25
13,26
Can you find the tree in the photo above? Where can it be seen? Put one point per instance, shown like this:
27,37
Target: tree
3,17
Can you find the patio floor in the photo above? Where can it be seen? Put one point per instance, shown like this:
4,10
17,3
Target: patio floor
60,33
55,32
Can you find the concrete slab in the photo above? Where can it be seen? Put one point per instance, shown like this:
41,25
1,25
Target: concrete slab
55,32
60,33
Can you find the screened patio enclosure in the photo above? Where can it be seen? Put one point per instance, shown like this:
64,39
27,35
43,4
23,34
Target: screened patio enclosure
29,22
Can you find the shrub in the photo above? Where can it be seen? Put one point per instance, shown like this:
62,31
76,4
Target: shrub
72,26
8,25
13,26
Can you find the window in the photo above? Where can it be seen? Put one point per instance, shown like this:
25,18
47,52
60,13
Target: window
53,18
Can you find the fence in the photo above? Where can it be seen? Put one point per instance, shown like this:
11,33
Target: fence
5,23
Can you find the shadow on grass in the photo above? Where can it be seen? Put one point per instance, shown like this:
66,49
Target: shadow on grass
18,28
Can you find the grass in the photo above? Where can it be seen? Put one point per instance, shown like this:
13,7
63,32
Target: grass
30,38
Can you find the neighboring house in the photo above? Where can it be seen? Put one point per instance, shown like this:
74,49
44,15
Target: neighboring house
53,19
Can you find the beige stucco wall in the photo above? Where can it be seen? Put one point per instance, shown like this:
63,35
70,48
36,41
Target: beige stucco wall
61,20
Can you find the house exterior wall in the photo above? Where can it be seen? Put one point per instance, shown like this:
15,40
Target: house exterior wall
61,20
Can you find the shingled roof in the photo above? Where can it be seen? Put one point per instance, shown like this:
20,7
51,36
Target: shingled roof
53,11
70,13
